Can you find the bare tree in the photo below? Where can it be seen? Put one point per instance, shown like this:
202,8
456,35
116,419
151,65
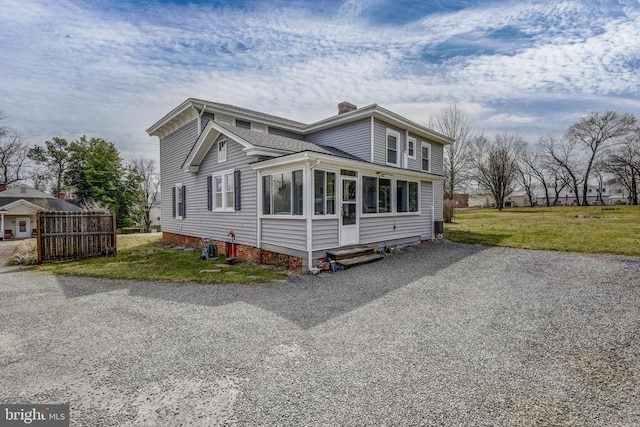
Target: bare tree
149,183
496,164
623,163
13,154
565,156
594,132
526,174
455,123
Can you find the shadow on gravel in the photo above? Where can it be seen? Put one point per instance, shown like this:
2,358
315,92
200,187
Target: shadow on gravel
305,300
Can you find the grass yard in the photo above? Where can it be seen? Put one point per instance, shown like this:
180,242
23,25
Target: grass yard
142,257
590,229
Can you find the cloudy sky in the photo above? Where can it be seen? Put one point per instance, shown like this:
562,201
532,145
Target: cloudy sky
112,68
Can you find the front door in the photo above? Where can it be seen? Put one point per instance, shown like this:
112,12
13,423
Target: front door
348,211
23,229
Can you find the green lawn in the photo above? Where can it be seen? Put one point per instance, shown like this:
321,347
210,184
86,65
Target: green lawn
141,257
591,229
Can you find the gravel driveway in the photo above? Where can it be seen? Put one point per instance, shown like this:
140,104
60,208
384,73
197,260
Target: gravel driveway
442,334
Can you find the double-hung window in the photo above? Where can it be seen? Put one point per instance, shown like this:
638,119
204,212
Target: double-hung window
282,193
411,148
222,150
426,157
179,194
393,142
376,195
324,192
223,191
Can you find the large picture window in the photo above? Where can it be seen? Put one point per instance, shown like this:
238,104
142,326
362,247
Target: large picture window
406,196
282,193
324,192
376,195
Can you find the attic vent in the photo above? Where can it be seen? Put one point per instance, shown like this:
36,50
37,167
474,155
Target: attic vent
345,107
23,190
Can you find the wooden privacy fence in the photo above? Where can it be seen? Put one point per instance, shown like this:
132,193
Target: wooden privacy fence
73,235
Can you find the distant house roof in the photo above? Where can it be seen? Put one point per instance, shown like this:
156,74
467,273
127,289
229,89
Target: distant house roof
35,197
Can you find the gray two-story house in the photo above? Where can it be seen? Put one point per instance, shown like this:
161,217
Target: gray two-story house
288,191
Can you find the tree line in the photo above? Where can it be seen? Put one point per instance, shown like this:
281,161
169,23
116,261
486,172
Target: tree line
599,146
91,170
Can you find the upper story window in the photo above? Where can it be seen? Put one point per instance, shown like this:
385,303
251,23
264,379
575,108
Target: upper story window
393,141
411,148
324,192
426,157
222,150
243,124
282,193
223,191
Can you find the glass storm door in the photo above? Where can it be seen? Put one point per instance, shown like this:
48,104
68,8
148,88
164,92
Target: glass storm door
348,211
22,228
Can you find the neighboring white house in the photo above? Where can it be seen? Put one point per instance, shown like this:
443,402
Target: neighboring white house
288,191
18,208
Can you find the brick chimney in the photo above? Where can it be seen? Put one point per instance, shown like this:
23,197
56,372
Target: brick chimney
345,107
62,196
3,186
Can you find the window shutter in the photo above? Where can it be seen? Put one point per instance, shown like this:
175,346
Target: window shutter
173,200
236,190
209,187
184,201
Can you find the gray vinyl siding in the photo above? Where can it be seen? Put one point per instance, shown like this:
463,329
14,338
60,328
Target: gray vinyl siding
426,203
285,232
173,151
206,118
414,164
380,143
199,221
353,138
438,194
285,133
325,233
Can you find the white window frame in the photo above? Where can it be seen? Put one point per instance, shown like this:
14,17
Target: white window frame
223,144
412,142
305,186
178,189
392,184
428,147
395,193
225,177
336,207
396,135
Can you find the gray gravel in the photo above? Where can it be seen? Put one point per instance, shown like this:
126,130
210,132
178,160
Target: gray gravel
442,334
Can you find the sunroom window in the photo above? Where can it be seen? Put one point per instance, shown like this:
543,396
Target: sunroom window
324,192
282,193
376,195
406,196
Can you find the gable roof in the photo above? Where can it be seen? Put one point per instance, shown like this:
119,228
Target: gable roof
44,203
253,143
192,108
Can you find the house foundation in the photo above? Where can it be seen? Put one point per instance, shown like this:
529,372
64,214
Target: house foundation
243,252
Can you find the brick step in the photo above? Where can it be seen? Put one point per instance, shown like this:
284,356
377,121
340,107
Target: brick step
359,260
340,254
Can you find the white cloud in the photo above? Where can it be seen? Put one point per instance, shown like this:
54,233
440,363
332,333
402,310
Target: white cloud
74,70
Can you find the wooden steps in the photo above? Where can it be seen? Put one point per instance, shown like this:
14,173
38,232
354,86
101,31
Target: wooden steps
350,257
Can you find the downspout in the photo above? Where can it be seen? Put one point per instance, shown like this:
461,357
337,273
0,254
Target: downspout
405,157
309,211
2,224
260,190
372,141
433,218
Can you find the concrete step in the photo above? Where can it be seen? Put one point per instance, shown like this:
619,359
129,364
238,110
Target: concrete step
340,254
359,260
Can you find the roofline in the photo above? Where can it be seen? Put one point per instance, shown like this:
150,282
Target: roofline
373,110
312,156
